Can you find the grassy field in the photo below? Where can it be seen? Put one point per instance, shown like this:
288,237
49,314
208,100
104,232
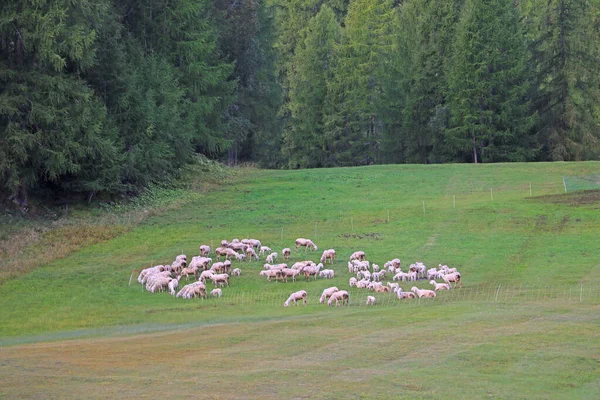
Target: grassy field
526,324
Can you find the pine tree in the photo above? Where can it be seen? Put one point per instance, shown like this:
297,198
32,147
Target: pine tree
566,55
488,86
306,142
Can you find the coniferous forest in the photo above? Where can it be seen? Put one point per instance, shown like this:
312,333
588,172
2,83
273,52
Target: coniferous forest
105,96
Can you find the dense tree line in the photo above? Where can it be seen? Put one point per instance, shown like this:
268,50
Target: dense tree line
105,96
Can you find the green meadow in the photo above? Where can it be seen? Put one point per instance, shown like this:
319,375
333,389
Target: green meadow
525,324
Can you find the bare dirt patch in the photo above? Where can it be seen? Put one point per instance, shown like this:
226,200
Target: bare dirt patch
575,199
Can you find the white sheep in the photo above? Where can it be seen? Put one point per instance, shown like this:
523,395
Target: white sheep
220,279
453,277
358,255
206,274
291,273
236,272
306,243
404,295
216,292
327,274
352,282
173,286
251,253
192,290
423,292
439,286
393,286
286,253
338,296
371,300
375,267
328,255
299,295
363,274
264,250
204,250
271,258
327,294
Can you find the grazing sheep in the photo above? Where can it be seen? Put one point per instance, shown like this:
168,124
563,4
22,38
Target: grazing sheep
252,242
196,289
306,243
361,265
236,272
264,250
327,294
216,292
302,264
238,246
358,255
239,257
200,262
393,286
271,258
404,295
273,273
189,271
286,253
453,277
173,286
327,274
439,286
338,296
364,275
328,255
371,300
205,274
311,270
291,273
300,295
381,289
352,282
251,253
204,250
220,279
423,292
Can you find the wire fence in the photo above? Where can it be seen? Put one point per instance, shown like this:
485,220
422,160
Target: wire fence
492,293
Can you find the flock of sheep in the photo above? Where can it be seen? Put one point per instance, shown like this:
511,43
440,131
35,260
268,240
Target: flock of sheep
366,275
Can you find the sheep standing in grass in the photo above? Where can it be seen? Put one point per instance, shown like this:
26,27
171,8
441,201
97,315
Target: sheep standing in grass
371,300
264,250
328,255
251,253
352,282
454,277
358,255
327,274
216,292
236,272
205,275
204,250
327,294
338,296
306,243
173,286
423,292
220,279
286,253
291,273
439,286
404,295
299,295
393,286
271,258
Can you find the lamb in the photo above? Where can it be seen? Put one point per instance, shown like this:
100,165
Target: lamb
352,282
192,290
220,279
216,292
423,292
454,277
264,250
290,273
377,276
381,289
363,274
372,285
439,286
393,286
371,300
362,284
236,272
253,242
400,276
327,294
327,273
204,250
358,255
240,257
375,268
205,274
251,253
271,258
361,265
286,253
328,255
300,295
173,286
306,243
404,295
338,296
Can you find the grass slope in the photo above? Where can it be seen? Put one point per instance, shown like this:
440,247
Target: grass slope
508,342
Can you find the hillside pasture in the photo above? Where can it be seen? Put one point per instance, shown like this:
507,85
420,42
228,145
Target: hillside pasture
525,323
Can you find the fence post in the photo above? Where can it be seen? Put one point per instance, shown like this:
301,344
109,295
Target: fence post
530,192
565,184
498,291
131,277
581,294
